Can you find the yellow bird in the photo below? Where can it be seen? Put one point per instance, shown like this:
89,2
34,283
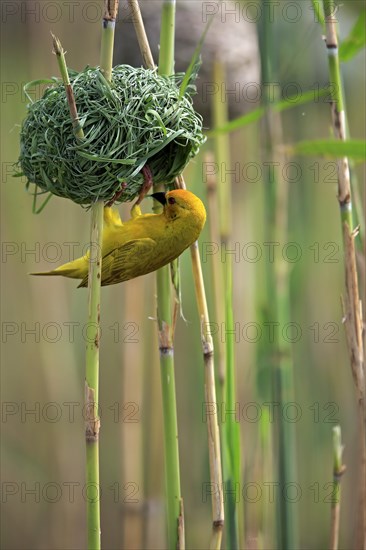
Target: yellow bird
144,243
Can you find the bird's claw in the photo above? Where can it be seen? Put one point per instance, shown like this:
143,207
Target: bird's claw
148,183
117,194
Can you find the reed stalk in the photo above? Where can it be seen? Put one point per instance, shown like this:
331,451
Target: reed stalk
61,61
141,34
167,39
216,271
234,526
352,306
214,446
338,471
278,353
166,333
92,422
174,504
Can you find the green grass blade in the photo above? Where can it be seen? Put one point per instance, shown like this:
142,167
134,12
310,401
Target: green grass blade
318,11
353,148
277,106
355,41
195,59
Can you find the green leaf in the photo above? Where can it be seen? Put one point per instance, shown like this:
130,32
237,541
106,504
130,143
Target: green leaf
28,85
355,149
195,63
279,106
238,123
319,13
355,41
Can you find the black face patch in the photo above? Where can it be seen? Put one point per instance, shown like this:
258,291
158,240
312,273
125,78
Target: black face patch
160,197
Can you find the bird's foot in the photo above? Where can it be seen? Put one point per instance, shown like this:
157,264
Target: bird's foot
147,185
117,194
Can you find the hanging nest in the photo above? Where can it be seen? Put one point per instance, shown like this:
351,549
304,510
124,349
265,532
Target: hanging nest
138,119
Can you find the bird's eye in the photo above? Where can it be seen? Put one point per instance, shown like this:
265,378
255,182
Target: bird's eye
171,200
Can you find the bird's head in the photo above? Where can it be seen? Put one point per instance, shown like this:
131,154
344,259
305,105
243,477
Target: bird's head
184,205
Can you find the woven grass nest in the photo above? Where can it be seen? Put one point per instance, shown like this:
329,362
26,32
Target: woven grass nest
138,119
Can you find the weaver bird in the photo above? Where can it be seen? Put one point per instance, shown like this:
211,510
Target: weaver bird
144,243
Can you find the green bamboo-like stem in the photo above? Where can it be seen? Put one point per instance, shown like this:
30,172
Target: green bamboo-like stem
329,27
166,46
338,471
166,334
92,423
167,36
234,510
265,351
207,343
278,354
352,304
106,53
172,472
175,520
338,114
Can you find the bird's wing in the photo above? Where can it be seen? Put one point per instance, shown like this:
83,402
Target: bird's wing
120,264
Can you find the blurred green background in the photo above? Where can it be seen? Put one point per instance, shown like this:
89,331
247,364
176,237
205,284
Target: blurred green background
43,321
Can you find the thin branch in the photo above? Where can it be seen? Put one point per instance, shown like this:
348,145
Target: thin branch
352,307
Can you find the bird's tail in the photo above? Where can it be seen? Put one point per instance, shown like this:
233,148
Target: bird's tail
42,273
61,271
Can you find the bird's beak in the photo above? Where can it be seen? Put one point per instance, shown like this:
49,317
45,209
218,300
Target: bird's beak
160,197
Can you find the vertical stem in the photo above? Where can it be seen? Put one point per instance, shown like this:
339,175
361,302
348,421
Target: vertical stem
278,354
106,52
166,336
231,429
216,270
338,113
92,347
172,473
174,503
92,422
60,56
214,448
338,470
167,36
234,510
141,34
165,67
222,154
352,303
